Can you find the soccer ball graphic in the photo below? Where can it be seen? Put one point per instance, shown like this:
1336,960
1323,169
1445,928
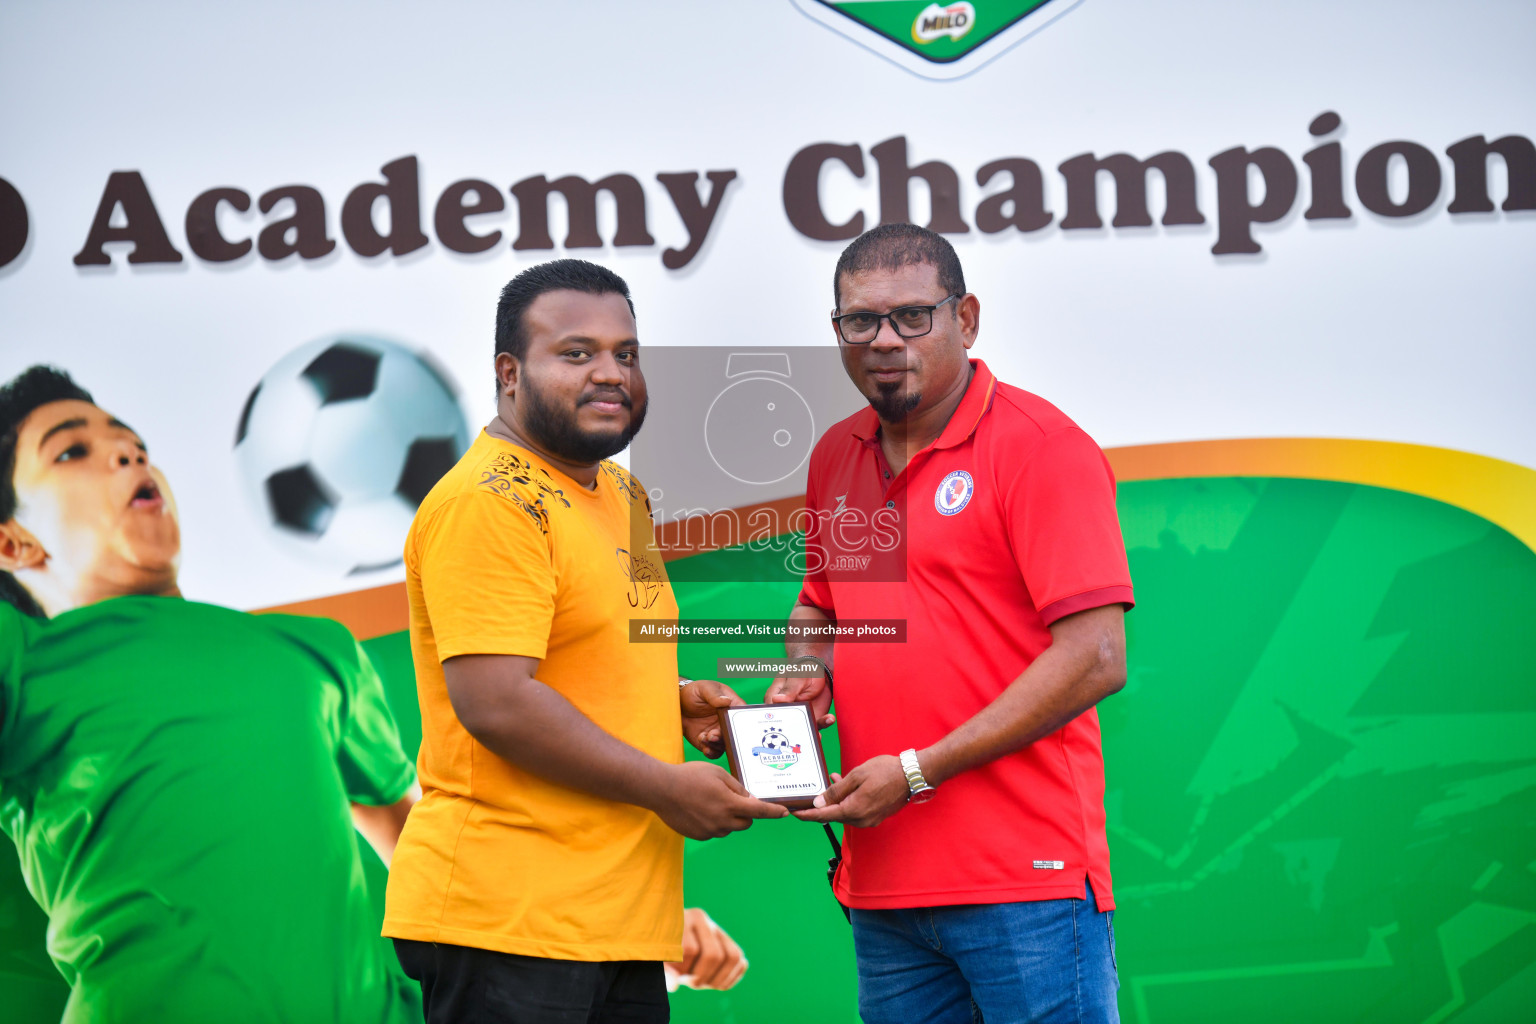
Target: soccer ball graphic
775,745
773,739
340,441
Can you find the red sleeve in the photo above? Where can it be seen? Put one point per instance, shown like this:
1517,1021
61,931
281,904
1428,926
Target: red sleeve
1064,529
814,590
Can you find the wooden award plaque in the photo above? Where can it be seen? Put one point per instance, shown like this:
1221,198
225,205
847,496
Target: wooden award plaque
775,752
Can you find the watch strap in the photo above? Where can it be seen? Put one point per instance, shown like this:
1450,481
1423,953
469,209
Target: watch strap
915,782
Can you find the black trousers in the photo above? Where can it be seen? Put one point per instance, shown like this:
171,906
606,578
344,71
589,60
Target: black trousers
464,985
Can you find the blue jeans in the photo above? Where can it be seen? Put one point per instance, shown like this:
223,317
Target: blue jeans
1005,963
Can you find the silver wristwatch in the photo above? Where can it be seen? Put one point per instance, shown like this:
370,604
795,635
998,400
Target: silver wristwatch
917,786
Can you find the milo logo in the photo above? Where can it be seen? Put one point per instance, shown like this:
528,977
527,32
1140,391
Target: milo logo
935,22
936,39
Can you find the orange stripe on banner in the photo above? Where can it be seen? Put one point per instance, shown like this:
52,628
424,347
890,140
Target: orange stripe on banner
376,611
1500,492
727,528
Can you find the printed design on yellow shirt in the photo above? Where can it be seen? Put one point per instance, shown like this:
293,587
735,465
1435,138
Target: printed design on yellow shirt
626,483
506,470
645,578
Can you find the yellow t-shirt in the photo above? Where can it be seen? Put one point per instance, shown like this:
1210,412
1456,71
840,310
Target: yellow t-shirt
509,556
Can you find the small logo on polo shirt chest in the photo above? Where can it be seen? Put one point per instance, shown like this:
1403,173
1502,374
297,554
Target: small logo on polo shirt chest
954,493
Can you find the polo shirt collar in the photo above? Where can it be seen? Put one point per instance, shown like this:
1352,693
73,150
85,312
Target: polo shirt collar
967,416
866,425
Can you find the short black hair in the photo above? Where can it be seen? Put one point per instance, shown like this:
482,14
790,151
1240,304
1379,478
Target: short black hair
519,293
21,396
893,246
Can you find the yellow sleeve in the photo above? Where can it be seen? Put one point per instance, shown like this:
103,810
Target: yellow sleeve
486,575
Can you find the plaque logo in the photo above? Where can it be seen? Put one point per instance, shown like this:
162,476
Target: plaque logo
776,751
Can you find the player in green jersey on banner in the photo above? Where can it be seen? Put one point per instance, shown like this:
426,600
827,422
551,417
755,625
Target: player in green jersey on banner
182,781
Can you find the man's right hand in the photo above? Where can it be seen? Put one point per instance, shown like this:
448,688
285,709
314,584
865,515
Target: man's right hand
703,801
788,689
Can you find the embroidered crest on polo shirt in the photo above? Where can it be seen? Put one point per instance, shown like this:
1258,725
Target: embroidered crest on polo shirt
954,493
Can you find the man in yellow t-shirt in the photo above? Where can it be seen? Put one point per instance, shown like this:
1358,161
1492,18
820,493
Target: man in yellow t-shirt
540,876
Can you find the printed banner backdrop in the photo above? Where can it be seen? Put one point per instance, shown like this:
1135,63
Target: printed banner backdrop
1275,258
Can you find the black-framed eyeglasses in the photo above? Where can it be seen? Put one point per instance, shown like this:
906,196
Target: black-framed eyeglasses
907,321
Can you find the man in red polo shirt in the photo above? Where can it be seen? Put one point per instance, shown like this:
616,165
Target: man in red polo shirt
975,859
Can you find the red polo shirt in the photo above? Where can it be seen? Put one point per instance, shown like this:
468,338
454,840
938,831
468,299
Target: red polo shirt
1006,523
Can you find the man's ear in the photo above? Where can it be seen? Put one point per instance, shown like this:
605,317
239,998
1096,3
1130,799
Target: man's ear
508,370
19,549
969,312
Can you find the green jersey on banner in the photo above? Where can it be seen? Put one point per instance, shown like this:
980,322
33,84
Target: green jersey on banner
177,778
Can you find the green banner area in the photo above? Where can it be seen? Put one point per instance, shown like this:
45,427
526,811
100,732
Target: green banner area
939,32
1321,776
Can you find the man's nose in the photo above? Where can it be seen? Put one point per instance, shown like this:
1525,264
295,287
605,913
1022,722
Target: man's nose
886,338
606,370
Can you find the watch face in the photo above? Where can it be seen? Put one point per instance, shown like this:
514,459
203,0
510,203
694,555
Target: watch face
923,795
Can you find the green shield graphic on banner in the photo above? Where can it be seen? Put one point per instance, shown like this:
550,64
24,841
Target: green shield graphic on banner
936,40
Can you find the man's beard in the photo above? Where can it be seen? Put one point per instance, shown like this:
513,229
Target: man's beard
555,430
892,403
